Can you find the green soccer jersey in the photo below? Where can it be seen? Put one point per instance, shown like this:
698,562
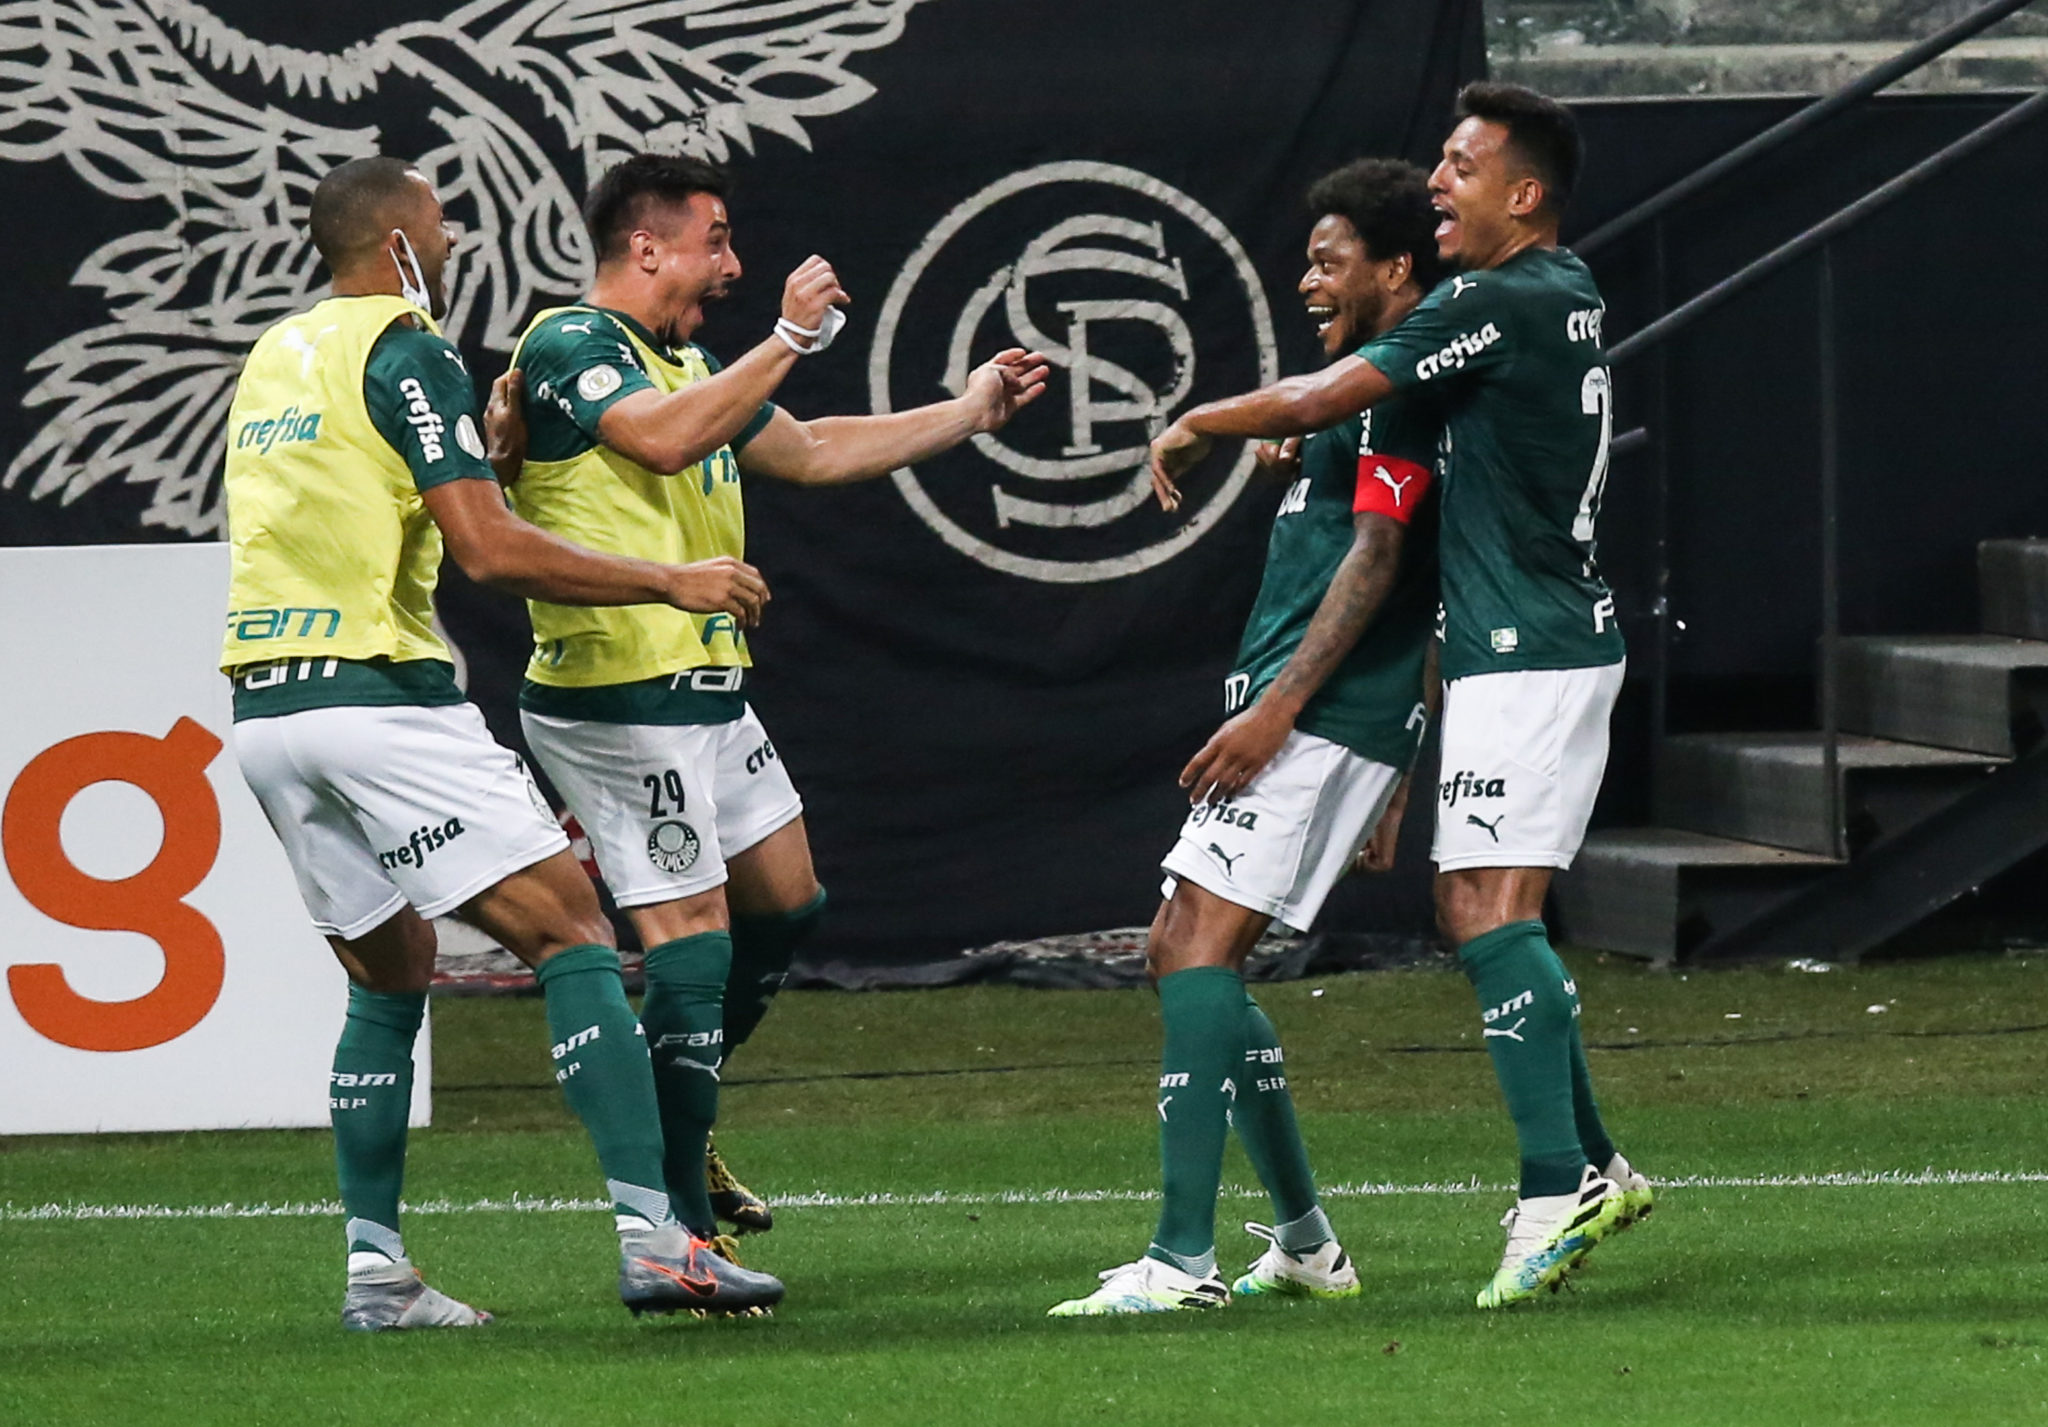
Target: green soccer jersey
577,368
1515,354
1382,461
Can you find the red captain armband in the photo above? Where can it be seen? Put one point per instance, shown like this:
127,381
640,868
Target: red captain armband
1388,485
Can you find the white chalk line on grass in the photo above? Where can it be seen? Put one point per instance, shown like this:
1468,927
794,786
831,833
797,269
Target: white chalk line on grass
519,1204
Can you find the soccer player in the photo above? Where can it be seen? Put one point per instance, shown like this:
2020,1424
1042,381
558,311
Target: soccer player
1327,709
1531,655
353,453
640,716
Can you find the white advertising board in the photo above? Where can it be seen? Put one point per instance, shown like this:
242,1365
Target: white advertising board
157,969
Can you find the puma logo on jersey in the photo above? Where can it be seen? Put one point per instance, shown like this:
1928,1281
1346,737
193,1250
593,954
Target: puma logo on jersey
1462,285
1513,1033
1229,862
583,327
295,340
1492,828
1379,473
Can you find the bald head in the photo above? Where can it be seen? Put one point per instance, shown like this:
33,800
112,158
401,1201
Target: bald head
356,207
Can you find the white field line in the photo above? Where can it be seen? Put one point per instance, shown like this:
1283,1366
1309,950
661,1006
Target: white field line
518,1204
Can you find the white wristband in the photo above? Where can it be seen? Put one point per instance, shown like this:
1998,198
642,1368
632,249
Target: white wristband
813,339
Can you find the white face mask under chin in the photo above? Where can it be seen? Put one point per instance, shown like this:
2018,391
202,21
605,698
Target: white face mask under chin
412,285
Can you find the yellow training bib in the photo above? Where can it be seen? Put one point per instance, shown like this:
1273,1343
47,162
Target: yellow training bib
333,552
602,500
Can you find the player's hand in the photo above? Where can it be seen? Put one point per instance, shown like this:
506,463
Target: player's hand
1236,754
505,426
1378,853
1004,385
720,586
1279,459
809,290
1173,451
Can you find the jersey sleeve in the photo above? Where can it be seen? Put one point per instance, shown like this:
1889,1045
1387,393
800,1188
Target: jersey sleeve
756,423
420,399
1456,333
582,364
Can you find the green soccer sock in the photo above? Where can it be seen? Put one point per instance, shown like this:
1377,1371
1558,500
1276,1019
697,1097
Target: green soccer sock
761,951
1202,1010
1528,1004
1593,1136
684,1020
601,1064
1264,1116
369,1100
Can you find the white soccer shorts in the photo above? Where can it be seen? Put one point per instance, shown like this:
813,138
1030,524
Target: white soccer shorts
377,807
1279,846
1523,755
664,805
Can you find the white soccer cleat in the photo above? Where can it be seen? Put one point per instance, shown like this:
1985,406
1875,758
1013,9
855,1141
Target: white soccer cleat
392,1296
1326,1273
1548,1235
1147,1286
1638,1198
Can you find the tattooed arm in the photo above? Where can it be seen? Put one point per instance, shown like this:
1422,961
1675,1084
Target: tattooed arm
1247,743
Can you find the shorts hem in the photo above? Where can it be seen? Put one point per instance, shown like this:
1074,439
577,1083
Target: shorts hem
655,896
362,924
1208,879
1556,861
516,862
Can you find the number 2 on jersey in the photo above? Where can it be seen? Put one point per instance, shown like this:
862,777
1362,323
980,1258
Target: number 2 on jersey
670,782
1596,398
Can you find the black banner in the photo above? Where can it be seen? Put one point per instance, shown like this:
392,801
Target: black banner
984,672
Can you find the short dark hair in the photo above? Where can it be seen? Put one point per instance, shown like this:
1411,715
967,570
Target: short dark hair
1387,201
353,207
619,201
1541,131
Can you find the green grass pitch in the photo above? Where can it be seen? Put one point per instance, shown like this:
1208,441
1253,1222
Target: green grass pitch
935,1237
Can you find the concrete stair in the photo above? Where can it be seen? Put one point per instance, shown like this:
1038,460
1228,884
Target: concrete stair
1771,788
1743,819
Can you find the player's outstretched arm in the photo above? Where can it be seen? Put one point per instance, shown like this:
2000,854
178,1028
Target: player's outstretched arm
1245,744
1298,406
669,432
836,449
495,547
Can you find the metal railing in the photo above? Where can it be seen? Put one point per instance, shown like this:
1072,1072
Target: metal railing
1792,126
1819,239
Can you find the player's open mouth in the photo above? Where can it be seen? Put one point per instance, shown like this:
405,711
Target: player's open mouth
1322,317
1447,218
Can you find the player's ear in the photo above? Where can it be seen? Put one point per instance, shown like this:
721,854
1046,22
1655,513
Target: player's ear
1394,274
1526,197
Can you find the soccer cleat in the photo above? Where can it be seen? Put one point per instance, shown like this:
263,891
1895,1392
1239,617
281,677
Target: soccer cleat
671,1270
393,1296
731,1200
1638,1198
1147,1286
1547,1236
1325,1273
